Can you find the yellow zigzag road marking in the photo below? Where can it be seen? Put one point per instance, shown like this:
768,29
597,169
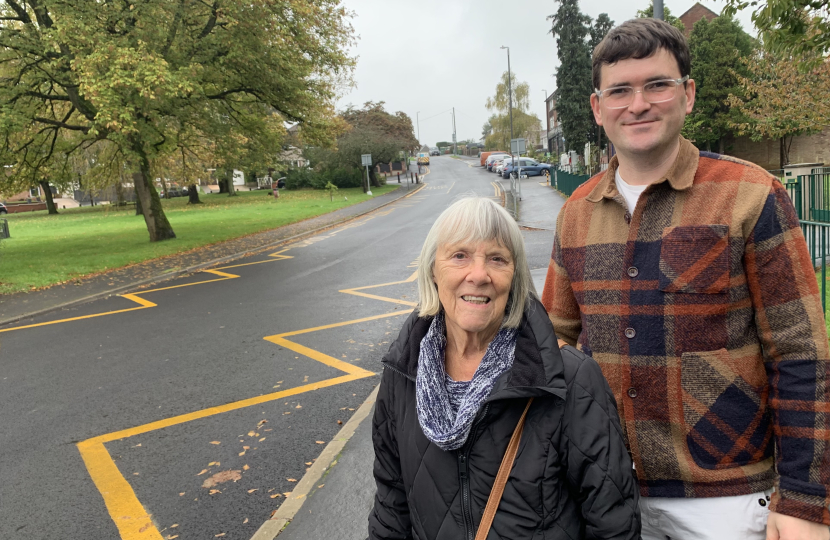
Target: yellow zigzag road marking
129,515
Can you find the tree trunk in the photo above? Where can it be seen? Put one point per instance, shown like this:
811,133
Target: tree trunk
119,193
223,185
157,224
139,211
193,195
721,147
47,192
231,190
373,178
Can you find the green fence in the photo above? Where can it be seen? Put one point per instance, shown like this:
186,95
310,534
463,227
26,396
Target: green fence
810,194
567,183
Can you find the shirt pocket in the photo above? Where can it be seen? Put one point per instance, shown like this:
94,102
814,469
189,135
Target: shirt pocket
694,259
725,411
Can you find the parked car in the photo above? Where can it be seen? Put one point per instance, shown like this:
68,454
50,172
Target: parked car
3,209
529,166
434,151
484,155
500,165
493,159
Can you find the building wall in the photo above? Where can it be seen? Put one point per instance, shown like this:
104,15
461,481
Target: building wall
694,14
766,153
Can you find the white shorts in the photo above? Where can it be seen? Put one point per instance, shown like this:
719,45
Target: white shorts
742,517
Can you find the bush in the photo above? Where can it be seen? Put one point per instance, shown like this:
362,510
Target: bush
341,177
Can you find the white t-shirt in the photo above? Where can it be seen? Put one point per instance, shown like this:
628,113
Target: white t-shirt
629,192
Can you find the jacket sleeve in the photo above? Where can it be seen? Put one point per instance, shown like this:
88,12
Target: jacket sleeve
558,296
389,519
790,323
599,467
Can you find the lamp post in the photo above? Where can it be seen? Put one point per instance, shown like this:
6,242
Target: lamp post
418,123
510,102
547,119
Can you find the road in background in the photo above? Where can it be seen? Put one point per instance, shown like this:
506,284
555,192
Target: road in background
192,408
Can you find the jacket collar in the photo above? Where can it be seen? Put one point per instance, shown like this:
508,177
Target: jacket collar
537,367
681,175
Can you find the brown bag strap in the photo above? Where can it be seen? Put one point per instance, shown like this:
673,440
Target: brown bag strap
501,477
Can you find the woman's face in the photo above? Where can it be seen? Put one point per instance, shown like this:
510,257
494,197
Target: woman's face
473,285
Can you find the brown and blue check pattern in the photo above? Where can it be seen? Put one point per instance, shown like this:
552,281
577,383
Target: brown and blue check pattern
703,310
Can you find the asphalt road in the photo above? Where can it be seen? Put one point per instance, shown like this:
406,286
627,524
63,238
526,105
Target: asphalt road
185,409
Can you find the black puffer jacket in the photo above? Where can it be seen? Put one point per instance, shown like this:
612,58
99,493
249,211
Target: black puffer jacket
572,477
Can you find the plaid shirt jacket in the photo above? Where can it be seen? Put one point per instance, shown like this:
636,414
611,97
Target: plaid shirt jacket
702,309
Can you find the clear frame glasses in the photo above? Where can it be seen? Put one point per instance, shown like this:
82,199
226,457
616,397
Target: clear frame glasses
620,97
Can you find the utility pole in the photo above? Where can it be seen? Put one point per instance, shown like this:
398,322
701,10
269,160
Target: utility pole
418,122
510,103
454,143
658,10
547,121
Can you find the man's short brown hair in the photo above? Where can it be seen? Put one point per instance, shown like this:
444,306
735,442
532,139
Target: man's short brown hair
640,38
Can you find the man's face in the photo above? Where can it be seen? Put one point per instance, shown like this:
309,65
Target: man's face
644,129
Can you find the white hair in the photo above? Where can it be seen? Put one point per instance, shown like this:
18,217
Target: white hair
475,219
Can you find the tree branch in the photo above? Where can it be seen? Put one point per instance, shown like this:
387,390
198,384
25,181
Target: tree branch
63,125
21,12
211,22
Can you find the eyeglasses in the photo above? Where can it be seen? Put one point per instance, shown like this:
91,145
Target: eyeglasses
620,97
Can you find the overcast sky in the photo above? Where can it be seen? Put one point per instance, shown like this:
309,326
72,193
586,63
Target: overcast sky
432,55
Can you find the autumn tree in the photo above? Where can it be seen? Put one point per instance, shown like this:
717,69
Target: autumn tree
779,101
799,28
717,49
136,74
372,130
523,121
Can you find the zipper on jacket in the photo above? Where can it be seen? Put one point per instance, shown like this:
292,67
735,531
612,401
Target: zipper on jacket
464,475
396,370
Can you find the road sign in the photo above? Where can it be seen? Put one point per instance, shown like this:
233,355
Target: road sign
366,160
518,146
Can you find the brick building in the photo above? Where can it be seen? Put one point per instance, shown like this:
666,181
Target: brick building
694,14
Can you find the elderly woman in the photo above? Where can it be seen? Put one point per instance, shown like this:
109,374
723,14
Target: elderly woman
456,384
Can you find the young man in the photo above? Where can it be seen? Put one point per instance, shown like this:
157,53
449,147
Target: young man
686,276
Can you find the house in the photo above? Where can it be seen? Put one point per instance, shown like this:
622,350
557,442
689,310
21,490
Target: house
555,141
694,14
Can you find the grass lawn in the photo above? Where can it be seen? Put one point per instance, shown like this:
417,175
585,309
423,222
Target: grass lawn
45,250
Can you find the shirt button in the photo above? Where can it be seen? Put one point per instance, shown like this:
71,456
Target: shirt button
632,393
632,272
630,333
628,218
762,502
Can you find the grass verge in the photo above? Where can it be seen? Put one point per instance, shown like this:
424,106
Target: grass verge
46,250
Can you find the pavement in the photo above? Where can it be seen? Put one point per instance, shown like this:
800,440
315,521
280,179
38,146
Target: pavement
24,305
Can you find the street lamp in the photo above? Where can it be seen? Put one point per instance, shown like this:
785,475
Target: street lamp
418,123
547,119
510,102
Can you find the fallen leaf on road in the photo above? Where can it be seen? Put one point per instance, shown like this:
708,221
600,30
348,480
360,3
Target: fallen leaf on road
218,535
203,472
267,430
215,442
181,494
340,422
242,453
285,413
246,521
298,407
213,491
287,493
251,434
173,526
320,442
144,528
321,485
246,447
261,422
221,477
212,463
308,463
136,446
291,479
274,511
171,536
275,495
262,439
245,467
135,474
252,490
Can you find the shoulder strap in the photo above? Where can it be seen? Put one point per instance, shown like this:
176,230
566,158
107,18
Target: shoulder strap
501,478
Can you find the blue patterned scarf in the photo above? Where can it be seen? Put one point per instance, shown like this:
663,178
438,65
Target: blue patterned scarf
445,425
